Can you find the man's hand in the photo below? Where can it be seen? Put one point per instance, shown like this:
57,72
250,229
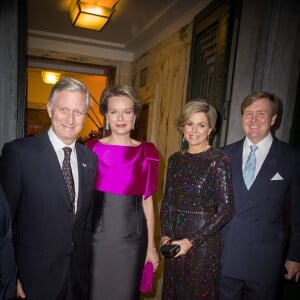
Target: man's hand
293,270
20,292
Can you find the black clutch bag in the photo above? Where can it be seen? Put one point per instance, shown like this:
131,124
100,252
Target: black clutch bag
169,250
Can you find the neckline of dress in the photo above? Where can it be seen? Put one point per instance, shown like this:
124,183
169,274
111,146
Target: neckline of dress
116,145
203,151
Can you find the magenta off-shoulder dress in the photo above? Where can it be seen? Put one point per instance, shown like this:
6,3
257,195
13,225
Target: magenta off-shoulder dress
126,176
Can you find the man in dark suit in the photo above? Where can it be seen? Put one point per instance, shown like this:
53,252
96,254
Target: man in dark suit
7,261
50,196
254,254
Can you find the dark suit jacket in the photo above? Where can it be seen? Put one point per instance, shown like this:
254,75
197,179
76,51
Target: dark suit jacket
255,238
45,231
7,261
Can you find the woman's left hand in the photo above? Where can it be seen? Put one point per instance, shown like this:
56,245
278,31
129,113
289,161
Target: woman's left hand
153,256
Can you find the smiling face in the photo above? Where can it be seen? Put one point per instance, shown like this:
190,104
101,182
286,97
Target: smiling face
257,120
196,132
67,114
120,114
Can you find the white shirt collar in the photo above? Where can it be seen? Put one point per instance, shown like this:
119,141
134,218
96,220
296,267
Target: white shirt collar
58,143
261,153
264,144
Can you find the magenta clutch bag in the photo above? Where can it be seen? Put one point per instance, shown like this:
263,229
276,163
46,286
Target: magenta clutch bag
147,278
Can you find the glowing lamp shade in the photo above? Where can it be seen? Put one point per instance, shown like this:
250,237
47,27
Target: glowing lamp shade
50,77
89,15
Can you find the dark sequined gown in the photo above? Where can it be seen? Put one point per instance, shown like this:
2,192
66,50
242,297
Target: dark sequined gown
196,205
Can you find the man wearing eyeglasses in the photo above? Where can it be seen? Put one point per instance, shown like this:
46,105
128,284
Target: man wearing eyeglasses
48,181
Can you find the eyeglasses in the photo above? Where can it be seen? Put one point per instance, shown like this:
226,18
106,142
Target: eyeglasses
66,111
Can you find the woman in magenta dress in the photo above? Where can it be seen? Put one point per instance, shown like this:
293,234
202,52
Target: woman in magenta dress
124,216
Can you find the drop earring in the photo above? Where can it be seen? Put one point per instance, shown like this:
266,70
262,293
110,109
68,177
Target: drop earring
106,125
209,137
133,123
183,139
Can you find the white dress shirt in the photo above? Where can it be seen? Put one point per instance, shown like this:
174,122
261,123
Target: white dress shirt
261,153
58,146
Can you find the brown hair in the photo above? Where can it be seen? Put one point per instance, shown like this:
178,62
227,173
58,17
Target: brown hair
196,106
274,102
120,90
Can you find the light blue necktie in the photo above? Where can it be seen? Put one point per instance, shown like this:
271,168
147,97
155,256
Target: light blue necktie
249,168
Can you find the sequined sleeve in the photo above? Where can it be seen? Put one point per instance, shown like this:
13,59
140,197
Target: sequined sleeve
224,197
166,204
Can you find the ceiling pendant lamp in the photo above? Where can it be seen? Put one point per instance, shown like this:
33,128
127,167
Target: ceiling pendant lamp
50,77
90,14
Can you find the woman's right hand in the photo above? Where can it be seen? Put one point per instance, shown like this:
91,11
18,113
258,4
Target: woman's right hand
164,240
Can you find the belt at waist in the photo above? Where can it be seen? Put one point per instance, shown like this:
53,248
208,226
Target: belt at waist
193,212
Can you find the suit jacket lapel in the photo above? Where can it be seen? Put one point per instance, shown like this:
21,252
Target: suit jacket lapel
237,171
267,171
269,166
82,174
51,163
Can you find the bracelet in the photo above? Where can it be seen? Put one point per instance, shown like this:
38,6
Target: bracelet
153,249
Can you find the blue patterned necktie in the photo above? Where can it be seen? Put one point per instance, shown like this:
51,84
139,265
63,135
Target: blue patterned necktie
67,172
249,168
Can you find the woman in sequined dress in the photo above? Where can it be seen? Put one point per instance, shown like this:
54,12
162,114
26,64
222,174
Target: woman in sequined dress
124,224
196,205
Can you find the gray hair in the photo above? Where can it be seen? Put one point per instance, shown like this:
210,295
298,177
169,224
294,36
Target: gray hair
70,85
